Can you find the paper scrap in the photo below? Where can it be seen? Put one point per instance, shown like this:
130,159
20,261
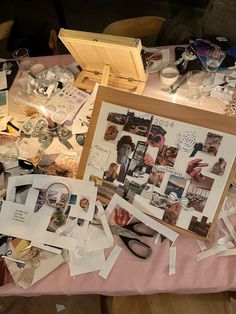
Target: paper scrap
172,260
202,245
105,270
230,227
214,251
85,262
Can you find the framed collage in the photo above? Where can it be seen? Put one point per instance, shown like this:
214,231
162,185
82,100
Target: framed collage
173,162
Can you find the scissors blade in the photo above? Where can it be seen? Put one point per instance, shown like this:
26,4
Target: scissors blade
122,231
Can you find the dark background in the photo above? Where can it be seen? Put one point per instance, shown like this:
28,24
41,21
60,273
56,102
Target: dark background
33,19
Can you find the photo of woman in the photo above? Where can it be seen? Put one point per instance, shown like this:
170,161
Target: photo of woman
111,174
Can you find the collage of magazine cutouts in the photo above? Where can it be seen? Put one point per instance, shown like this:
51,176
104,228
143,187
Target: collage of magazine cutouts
172,170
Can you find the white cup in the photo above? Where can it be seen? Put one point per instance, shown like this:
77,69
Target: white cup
169,75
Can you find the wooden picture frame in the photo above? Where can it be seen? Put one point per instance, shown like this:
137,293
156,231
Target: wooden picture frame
109,60
207,137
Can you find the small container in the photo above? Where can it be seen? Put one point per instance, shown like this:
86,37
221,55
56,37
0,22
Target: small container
169,75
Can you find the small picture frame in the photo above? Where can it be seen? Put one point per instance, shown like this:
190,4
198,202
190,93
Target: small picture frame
175,163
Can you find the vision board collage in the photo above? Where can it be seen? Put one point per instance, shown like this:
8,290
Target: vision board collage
169,169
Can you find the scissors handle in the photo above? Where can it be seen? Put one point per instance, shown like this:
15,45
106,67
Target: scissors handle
136,247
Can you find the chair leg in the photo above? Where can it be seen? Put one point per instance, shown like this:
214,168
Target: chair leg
105,304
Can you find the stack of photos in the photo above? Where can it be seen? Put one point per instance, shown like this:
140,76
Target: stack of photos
173,170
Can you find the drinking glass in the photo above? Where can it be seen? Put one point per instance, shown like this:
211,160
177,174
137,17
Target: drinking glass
214,58
195,81
22,58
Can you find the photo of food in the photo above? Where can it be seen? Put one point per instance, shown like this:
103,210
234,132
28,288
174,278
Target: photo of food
198,192
172,212
138,125
111,133
167,156
119,216
156,177
175,184
212,143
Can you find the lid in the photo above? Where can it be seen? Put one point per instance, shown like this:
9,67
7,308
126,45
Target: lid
93,51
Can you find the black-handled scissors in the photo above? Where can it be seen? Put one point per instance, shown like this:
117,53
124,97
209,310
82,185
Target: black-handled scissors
128,234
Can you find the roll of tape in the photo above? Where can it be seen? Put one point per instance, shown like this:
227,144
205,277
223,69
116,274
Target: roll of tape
169,75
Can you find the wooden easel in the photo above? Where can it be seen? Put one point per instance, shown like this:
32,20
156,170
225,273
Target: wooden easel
108,60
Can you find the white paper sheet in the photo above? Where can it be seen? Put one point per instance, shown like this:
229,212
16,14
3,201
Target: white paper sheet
88,262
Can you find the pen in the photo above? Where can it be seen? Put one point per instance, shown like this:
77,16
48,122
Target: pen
173,88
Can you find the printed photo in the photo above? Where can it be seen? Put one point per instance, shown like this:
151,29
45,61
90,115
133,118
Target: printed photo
73,199
117,118
212,143
159,200
137,169
175,184
156,177
119,216
3,99
126,193
198,192
84,204
219,167
171,213
111,174
23,274
156,136
58,219
41,200
200,227
140,151
139,125
111,132
167,156
135,186
106,189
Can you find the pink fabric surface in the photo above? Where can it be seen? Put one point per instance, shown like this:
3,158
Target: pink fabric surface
131,275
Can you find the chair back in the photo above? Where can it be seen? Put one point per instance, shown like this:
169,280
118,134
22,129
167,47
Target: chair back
137,27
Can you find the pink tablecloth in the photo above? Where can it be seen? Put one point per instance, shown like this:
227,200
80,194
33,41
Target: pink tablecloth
132,276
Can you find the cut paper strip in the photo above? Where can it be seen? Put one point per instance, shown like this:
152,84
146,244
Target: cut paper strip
230,252
172,260
224,239
157,238
104,222
227,212
202,245
214,251
118,200
46,247
105,270
230,227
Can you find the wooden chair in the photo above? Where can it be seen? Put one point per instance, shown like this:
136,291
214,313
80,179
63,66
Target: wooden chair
136,27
